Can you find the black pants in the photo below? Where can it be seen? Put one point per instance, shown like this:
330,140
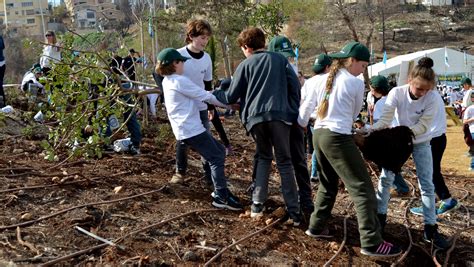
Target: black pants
438,145
216,121
298,158
2,92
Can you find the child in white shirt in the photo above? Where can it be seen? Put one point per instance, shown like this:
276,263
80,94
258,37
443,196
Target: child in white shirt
183,98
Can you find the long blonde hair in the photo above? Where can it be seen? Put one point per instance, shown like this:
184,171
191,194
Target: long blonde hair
336,65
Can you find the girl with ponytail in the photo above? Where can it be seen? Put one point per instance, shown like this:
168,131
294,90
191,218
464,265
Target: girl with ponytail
338,98
414,105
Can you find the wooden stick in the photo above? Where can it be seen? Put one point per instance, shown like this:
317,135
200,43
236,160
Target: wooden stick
240,241
27,223
327,264
24,243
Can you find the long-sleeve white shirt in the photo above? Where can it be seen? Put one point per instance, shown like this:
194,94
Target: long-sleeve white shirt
30,76
182,105
50,54
345,102
416,114
439,125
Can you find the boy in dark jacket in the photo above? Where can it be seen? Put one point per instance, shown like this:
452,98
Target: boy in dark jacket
269,93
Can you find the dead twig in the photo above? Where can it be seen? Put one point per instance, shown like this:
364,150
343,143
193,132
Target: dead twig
456,236
60,184
240,241
435,260
407,226
328,263
24,243
84,251
27,223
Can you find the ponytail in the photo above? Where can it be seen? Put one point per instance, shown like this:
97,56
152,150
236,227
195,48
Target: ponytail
336,65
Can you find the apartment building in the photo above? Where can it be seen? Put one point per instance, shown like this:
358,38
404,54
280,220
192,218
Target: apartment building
93,13
24,16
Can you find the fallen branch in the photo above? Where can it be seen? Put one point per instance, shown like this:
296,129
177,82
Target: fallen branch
60,184
240,241
407,226
327,264
24,243
27,223
435,260
456,236
81,252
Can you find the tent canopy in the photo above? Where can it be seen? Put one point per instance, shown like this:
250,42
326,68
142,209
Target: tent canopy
460,64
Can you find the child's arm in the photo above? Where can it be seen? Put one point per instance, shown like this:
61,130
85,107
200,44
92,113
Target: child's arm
424,123
191,90
234,92
294,87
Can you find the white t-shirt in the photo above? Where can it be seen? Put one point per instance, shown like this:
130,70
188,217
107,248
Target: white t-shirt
468,114
345,102
378,109
182,101
197,70
466,100
30,76
50,54
417,114
439,125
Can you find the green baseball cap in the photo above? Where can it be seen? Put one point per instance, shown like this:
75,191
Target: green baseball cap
168,55
380,83
321,62
282,45
466,80
355,50
37,70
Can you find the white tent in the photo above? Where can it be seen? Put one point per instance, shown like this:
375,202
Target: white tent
458,65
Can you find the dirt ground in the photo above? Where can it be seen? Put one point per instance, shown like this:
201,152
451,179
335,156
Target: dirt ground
42,203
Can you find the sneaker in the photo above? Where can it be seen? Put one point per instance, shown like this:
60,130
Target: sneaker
231,203
445,207
134,151
177,178
293,218
314,179
432,236
385,249
228,150
318,234
417,211
398,194
256,210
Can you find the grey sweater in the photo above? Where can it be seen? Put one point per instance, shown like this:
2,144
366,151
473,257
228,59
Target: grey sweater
267,87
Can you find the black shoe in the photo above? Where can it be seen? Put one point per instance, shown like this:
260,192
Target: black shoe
232,202
431,235
295,217
133,150
256,210
318,234
382,220
385,249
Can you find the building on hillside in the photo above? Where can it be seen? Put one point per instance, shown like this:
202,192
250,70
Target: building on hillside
449,65
24,16
90,13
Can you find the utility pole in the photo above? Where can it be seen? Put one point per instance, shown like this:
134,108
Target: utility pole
6,17
42,17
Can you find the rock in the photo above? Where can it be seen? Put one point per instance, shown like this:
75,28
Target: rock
26,217
17,150
190,256
118,189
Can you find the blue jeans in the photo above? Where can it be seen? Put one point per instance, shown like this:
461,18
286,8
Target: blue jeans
400,184
182,151
424,169
314,162
214,154
133,126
